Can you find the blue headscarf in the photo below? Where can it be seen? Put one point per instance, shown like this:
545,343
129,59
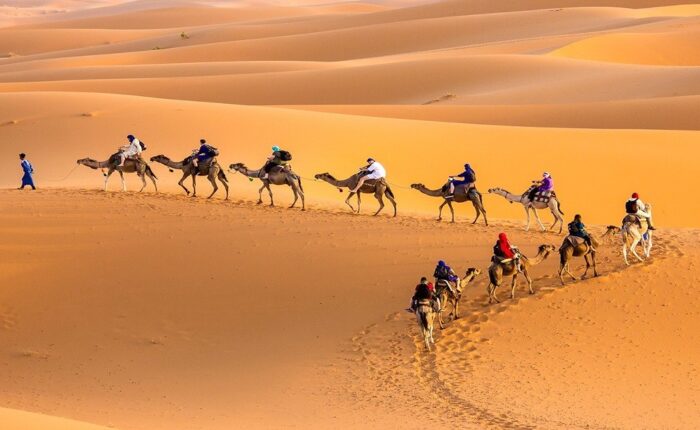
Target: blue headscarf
441,263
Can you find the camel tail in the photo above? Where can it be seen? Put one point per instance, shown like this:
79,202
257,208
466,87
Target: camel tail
150,171
424,320
299,182
223,175
389,192
559,207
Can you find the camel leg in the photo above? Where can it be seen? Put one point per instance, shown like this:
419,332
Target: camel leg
595,266
184,176
478,212
624,250
562,268
440,210
296,196
212,179
647,246
633,248
121,175
153,179
260,194
452,210
529,281
143,181
527,218
269,191
539,221
301,196
224,182
588,266
512,286
359,201
456,306
392,201
347,202
378,196
568,272
109,173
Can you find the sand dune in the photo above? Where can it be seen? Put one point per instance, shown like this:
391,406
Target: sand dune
148,311
678,48
658,113
19,420
474,80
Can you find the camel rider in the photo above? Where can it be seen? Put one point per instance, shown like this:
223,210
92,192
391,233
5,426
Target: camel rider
468,178
205,153
424,291
133,149
635,206
578,229
504,252
372,171
542,186
279,157
443,272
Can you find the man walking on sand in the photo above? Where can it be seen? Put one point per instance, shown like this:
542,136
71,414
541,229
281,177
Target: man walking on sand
28,170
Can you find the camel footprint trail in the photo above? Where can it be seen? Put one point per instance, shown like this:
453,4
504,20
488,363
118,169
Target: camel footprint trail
443,376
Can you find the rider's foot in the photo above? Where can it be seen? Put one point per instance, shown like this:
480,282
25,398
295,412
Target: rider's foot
651,227
409,310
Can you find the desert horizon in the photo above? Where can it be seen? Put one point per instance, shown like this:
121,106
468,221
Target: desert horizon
141,309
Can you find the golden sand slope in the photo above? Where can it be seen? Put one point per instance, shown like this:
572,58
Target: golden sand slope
20,420
56,129
181,313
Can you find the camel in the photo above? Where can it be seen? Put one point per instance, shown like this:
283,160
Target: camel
130,166
459,196
426,321
277,176
568,250
553,205
378,188
498,271
633,234
213,172
450,296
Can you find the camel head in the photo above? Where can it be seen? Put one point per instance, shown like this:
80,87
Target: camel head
325,175
240,167
159,158
546,249
417,186
88,162
471,273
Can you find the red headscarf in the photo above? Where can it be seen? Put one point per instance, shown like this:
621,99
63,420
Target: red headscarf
504,245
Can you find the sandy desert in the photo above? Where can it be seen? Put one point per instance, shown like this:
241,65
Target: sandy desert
156,310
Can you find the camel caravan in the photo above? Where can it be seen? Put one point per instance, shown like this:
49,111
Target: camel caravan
430,301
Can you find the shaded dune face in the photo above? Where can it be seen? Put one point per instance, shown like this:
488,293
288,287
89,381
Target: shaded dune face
162,311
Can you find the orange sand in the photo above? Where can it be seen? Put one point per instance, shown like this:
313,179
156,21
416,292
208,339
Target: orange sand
159,311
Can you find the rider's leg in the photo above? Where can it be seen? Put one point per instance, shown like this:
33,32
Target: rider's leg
359,184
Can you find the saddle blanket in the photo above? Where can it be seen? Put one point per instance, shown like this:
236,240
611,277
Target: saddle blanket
544,196
575,240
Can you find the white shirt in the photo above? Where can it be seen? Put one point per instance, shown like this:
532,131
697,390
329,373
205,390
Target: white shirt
134,148
377,170
641,208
